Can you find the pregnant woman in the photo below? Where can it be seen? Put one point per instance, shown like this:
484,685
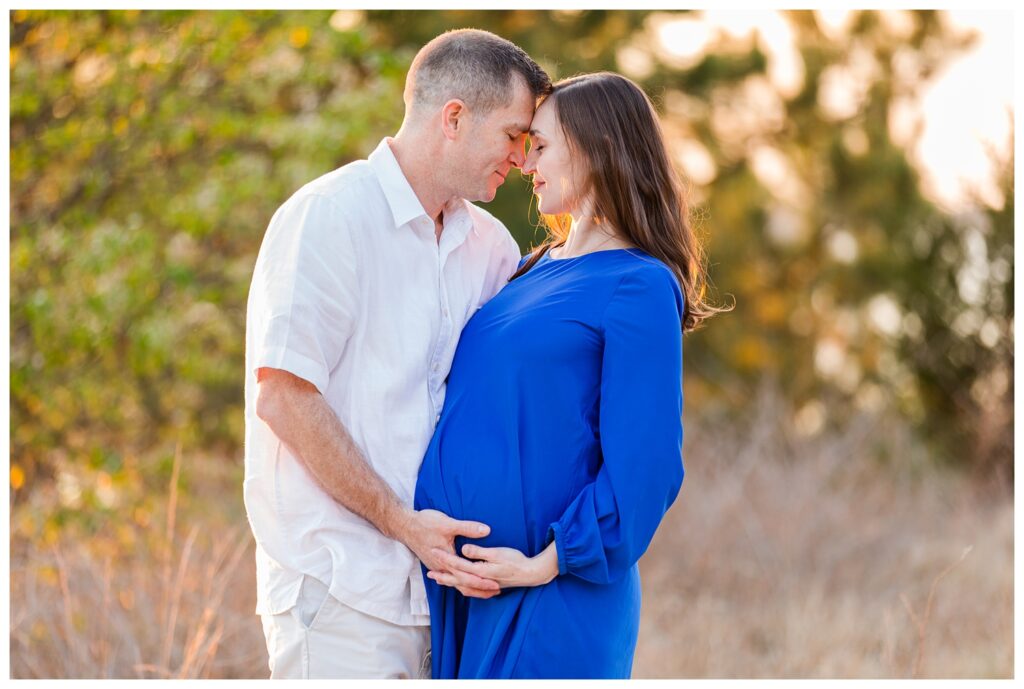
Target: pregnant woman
562,425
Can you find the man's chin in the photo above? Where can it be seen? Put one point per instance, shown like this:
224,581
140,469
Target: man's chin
482,194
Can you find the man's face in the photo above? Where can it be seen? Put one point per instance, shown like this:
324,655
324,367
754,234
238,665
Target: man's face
495,142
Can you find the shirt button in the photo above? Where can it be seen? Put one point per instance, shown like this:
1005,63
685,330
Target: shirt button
437,418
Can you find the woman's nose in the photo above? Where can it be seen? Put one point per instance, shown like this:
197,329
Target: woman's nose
529,165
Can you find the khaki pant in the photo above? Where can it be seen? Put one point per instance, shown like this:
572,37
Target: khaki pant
321,638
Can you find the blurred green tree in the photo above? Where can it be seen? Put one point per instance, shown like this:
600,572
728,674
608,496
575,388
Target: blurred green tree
149,150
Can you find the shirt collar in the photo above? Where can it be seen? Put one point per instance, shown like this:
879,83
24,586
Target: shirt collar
397,190
404,204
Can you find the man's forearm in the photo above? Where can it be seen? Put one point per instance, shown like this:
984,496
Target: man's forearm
314,433
300,417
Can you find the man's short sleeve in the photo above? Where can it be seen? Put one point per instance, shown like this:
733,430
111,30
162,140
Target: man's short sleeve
303,303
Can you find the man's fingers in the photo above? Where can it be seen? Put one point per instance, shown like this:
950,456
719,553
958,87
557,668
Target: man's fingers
477,582
476,593
442,578
468,572
447,579
456,564
469,529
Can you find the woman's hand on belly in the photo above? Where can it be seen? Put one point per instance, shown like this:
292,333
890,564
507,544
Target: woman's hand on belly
507,566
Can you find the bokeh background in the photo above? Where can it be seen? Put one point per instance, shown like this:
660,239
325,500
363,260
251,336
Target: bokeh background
848,507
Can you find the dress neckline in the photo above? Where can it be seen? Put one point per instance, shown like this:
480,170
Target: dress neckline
548,257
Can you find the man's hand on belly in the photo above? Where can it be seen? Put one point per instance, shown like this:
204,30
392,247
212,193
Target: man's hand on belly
428,533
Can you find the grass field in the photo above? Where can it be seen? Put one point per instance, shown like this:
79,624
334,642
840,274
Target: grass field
783,557
794,559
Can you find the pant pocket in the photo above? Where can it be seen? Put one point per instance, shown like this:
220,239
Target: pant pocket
426,671
312,598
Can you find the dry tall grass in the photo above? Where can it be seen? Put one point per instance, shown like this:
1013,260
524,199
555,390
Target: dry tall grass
783,557
786,557
177,607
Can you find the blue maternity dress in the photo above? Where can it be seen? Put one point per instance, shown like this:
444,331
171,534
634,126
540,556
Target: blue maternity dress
562,421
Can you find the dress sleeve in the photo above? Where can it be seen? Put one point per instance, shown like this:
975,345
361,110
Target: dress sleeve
303,300
609,525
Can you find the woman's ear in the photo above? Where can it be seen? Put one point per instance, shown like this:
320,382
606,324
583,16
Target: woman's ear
453,118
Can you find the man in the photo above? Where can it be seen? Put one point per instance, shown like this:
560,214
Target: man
363,283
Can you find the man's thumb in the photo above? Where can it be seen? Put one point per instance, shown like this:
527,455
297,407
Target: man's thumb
471,529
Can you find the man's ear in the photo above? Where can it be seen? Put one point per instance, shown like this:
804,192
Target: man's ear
453,118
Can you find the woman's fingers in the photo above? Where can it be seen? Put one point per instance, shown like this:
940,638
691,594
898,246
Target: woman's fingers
467,573
493,555
478,553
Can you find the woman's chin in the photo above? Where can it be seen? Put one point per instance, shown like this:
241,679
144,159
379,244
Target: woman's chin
548,208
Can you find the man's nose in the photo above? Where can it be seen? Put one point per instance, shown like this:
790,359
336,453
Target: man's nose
518,157
518,154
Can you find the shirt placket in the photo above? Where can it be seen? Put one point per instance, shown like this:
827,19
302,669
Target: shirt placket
436,375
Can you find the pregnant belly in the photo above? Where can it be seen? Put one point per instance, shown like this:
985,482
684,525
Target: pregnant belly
475,483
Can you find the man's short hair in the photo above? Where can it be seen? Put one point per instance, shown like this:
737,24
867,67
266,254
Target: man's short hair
472,65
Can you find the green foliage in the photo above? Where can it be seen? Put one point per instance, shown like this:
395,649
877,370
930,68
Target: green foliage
150,149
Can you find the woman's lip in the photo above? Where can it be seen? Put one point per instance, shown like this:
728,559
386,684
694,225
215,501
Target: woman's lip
538,186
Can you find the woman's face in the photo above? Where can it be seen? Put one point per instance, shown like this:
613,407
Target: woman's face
557,181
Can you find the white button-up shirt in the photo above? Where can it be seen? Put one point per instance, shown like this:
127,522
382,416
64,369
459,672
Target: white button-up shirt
353,292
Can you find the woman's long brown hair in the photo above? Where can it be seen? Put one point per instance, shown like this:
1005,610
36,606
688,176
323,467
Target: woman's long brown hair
612,128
